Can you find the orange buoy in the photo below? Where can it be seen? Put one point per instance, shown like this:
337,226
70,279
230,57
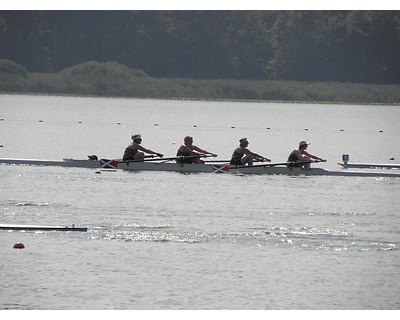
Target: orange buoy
19,245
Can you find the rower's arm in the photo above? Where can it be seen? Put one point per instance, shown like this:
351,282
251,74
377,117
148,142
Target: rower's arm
313,157
203,151
188,150
256,155
150,151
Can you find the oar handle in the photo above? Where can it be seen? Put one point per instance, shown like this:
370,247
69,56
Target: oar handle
177,158
279,164
262,165
217,161
191,157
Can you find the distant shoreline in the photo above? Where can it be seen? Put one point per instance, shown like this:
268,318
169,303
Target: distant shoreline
199,99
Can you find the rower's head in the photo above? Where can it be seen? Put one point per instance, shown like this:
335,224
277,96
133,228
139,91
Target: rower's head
188,140
137,138
303,144
243,142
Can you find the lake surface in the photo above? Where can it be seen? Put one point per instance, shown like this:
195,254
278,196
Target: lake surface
170,241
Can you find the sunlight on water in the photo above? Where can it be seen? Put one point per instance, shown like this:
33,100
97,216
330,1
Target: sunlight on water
162,240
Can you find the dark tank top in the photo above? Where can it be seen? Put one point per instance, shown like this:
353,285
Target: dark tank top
129,154
236,157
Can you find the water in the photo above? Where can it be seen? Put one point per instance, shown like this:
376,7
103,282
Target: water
159,240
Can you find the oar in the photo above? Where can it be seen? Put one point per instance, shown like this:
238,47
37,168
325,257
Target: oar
262,165
255,160
167,159
177,158
217,161
276,164
180,158
145,160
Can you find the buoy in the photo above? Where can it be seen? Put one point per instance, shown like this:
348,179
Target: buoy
19,245
98,172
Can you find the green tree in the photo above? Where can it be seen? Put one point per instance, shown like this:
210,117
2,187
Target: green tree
375,38
24,39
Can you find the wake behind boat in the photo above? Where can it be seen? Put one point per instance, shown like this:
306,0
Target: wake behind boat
164,165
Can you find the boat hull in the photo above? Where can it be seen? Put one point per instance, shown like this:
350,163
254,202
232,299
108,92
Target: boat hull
160,165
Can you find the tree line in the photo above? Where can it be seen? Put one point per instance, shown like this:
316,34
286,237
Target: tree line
343,46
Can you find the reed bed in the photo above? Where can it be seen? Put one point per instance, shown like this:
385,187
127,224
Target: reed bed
138,85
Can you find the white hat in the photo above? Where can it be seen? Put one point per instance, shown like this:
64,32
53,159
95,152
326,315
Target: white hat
302,143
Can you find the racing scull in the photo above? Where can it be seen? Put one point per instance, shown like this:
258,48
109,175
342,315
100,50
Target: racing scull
162,165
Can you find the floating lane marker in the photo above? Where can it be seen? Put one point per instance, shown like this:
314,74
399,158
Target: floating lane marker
19,245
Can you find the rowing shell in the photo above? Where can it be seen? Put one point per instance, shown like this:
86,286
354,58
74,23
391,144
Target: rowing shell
43,228
271,168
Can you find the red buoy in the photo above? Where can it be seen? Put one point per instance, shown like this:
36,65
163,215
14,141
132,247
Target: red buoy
19,245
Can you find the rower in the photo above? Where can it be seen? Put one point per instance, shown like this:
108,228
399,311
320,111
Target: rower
188,149
132,151
301,158
242,156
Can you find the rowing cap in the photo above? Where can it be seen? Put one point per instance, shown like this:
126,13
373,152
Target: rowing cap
302,143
